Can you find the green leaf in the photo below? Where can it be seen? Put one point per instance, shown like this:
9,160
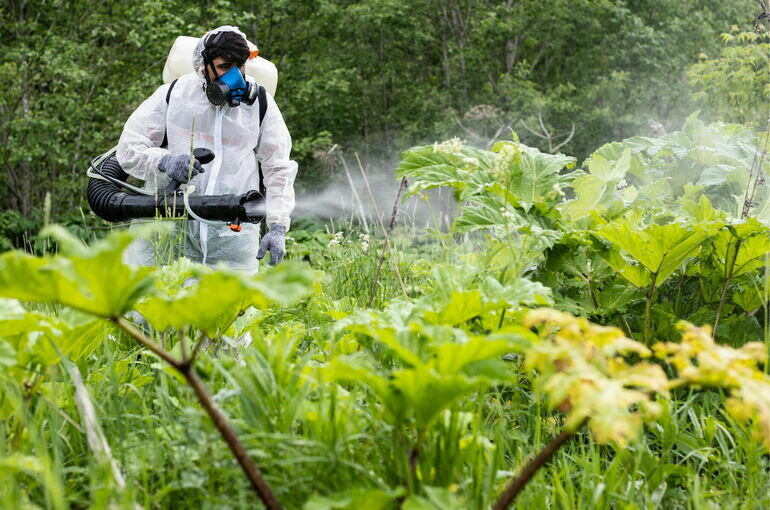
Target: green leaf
7,354
446,164
427,393
749,298
91,279
715,176
451,358
516,292
617,297
633,272
597,191
661,249
355,499
539,179
462,307
22,464
438,498
217,298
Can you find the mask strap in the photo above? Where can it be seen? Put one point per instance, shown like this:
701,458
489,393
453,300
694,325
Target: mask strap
206,60
213,72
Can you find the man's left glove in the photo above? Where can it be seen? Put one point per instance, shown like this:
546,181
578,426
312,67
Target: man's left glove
274,242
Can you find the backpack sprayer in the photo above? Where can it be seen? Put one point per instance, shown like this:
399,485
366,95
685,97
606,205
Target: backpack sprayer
113,199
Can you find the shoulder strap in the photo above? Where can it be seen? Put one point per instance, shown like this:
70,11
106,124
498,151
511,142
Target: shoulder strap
262,97
168,98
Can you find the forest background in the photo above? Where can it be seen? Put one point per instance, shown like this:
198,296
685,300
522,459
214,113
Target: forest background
369,77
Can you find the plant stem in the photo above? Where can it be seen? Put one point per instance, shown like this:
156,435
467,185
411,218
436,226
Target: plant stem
530,469
142,339
394,214
729,269
385,246
228,434
648,309
184,367
414,454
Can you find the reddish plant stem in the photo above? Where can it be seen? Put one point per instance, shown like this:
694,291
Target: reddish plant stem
393,217
530,469
228,434
184,367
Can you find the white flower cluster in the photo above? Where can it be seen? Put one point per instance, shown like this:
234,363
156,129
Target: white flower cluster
507,214
449,146
336,240
364,241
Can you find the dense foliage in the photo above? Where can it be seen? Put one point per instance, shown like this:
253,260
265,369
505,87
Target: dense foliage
374,76
420,371
586,331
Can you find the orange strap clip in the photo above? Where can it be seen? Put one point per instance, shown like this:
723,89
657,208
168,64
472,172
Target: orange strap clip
253,50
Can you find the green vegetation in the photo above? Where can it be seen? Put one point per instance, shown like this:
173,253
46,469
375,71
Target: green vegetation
587,330
418,371
375,77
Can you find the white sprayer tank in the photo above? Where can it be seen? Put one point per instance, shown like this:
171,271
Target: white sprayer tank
179,62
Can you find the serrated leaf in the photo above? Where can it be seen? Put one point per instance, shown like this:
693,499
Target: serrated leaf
355,499
540,178
617,297
462,306
634,273
661,249
91,279
212,303
450,358
715,175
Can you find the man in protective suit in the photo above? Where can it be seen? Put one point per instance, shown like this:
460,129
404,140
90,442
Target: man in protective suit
238,141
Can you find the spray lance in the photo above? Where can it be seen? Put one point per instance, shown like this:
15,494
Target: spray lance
113,199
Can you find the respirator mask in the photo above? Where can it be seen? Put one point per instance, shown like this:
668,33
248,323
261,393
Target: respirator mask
232,88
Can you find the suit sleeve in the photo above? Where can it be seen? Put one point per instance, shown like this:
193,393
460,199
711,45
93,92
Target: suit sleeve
139,149
277,167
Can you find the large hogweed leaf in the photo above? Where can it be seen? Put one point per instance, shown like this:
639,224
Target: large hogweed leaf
462,292
537,178
354,499
582,369
91,279
602,190
699,361
743,245
211,300
431,383
659,249
448,164
491,185
712,160
434,362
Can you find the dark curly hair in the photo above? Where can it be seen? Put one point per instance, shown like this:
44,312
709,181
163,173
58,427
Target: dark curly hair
227,45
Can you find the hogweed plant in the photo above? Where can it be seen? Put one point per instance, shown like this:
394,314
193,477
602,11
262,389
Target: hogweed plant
600,378
583,370
700,362
182,298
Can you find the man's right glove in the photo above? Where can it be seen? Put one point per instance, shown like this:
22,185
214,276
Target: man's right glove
275,242
178,167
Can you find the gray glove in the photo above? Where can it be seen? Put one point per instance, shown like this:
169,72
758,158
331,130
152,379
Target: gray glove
178,167
274,242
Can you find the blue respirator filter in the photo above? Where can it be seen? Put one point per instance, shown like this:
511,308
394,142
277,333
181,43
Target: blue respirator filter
232,88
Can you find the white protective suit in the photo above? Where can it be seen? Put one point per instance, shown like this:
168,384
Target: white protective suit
235,136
